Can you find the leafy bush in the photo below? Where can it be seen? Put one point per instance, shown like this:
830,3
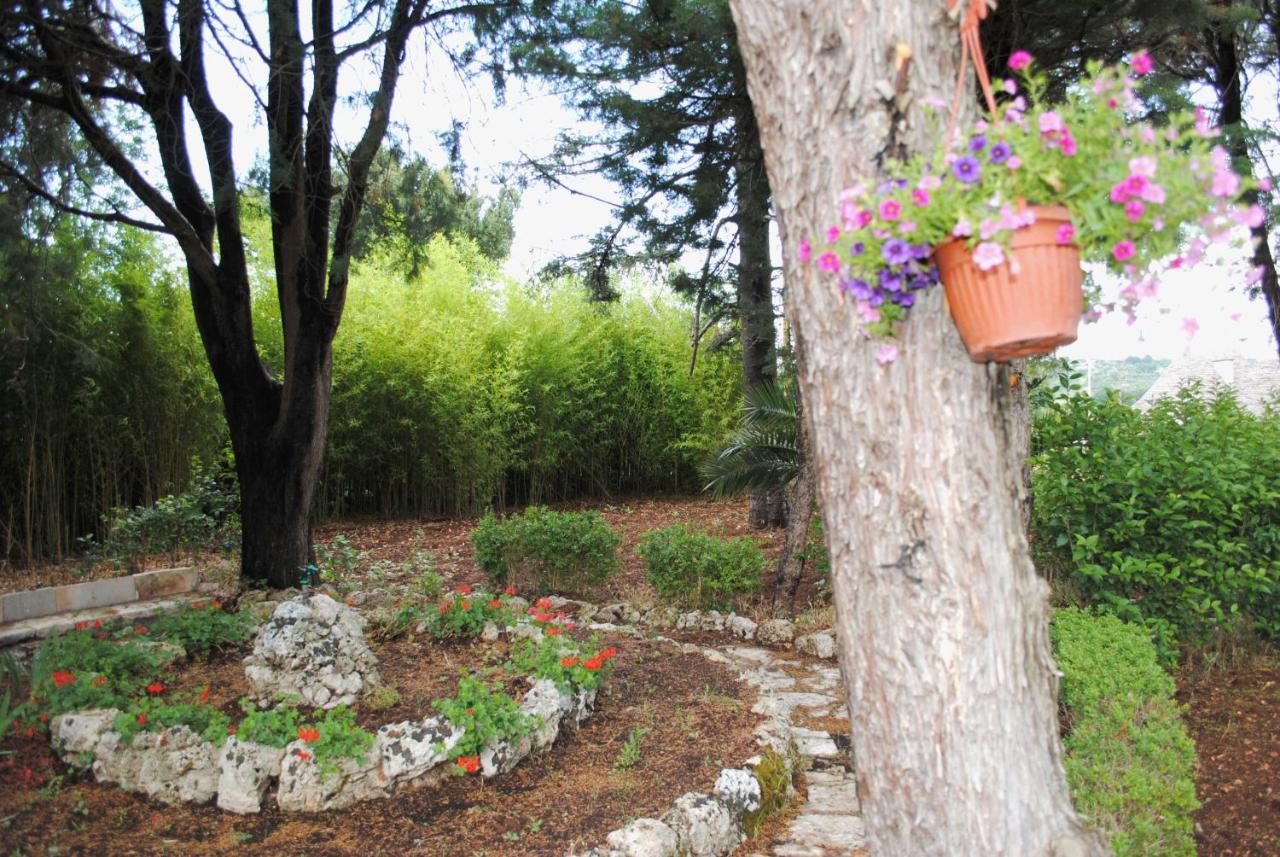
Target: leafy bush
85,669
202,518
1171,517
564,660
337,563
154,714
205,628
485,715
551,551
699,569
336,736
1130,764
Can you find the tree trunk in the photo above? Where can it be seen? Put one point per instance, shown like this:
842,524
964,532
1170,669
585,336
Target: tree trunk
803,495
1228,82
942,621
755,288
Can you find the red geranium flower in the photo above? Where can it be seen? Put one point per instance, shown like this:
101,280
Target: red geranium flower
510,590
444,607
197,605
204,694
543,604
308,733
215,605
554,632
141,629
608,653
569,662
82,626
465,605
155,687
593,664
464,589
470,764
142,718
495,603
97,623
62,679
100,681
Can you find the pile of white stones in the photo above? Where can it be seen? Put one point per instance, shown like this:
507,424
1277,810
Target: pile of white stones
312,648
174,765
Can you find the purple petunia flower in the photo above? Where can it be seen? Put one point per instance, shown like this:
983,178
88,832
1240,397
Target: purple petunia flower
920,251
860,289
857,249
1000,152
877,298
967,169
904,299
895,251
890,281
978,143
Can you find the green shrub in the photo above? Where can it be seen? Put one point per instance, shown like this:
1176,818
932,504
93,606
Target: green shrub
205,628
85,669
546,550
1130,764
564,660
485,715
699,569
1171,518
154,714
204,517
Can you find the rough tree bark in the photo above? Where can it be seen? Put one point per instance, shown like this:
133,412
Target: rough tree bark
803,495
1228,83
755,285
942,621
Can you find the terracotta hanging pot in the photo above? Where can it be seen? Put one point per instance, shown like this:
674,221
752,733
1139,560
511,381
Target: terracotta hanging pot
1003,317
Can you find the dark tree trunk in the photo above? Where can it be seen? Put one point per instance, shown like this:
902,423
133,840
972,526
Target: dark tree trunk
1228,83
803,496
755,288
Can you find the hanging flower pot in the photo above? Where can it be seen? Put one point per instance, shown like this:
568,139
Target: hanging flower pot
1027,303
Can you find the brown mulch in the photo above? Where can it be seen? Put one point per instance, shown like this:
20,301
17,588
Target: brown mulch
698,717
1233,715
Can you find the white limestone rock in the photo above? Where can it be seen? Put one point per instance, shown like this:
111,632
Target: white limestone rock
499,757
409,749
776,632
821,644
741,627
312,648
739,790
172,766
305,788
546,702
78,732
245,769
704,826
644,837
712,620
691,621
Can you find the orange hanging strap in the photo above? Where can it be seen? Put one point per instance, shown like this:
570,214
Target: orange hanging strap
970,49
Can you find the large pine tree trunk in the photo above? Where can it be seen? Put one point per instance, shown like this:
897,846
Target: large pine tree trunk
942,621
755,288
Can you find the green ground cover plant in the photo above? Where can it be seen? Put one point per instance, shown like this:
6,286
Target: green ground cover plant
564,660
546,550
1170,518
205,628
486,715
1130,764
698,569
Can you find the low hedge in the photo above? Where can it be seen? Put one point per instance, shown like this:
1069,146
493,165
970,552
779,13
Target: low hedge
1130,763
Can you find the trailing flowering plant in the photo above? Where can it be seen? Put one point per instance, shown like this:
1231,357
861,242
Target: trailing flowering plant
1143,199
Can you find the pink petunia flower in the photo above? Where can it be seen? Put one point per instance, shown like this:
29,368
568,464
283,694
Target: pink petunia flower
1144,166
829,262
833,234
804,251
962,229
1190,327
1134,209
1019,60
886,354
1066,233
890,209
988,255
920,196
1068,146
1123,251
1141,64
1225,184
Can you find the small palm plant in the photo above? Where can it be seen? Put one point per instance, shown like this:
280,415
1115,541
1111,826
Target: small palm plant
769,453
763,454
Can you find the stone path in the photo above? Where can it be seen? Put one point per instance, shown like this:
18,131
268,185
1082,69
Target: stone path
829,823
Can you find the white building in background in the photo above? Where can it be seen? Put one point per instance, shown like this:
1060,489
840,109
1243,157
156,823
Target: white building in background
1256,383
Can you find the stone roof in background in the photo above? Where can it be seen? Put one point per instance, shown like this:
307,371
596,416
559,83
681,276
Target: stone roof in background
1255,382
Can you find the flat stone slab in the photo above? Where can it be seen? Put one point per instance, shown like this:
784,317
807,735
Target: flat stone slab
831,793
811,742
832,834
94,594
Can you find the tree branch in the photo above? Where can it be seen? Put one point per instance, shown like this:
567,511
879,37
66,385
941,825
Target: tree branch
104,216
